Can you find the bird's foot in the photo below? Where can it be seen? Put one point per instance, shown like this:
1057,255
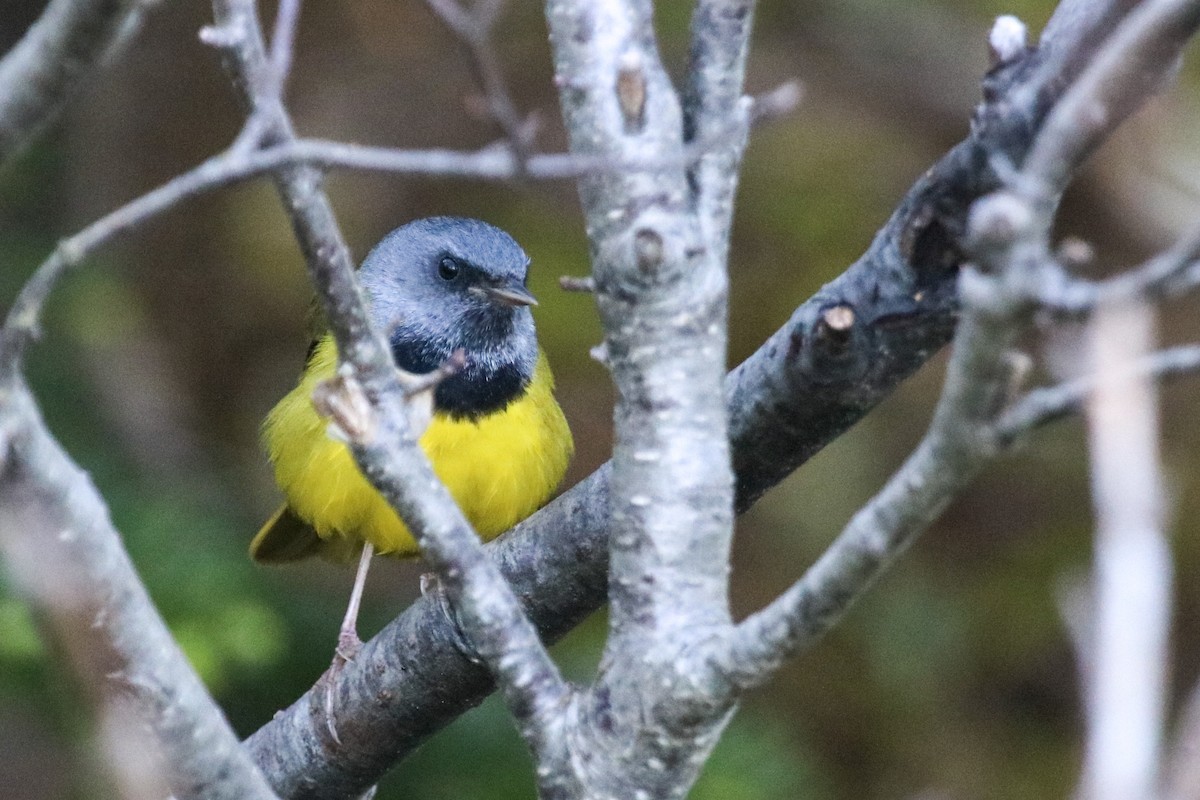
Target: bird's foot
347,650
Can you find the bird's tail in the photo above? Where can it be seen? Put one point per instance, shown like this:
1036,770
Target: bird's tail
285,537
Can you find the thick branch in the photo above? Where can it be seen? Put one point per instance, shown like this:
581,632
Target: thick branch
68,44
660,280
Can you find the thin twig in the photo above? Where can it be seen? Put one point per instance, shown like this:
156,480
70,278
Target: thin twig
283,40
242,162
1050,403
1173,272
66,47
573,283
474,29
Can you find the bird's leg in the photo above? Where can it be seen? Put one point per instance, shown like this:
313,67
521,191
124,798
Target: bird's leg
348,642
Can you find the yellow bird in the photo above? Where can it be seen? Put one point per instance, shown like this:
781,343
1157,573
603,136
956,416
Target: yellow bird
498,438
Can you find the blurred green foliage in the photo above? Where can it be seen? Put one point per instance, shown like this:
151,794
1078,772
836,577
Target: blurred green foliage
954,675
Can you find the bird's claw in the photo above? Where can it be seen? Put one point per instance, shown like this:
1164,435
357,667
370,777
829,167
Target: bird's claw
348,648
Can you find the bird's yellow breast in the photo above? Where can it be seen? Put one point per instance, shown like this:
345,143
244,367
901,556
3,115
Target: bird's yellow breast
500,467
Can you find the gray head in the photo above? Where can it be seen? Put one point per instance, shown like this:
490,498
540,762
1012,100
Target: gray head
441,284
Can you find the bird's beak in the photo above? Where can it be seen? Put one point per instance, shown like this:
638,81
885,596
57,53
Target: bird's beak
510,295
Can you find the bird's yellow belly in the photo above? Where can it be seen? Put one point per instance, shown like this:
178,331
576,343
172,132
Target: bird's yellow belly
499,469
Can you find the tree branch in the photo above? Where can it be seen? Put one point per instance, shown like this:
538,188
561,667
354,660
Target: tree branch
1050,403
384,446
1134,63
60,52
1126,675
713,96
956,447
660,291
1173,272
804,387
1011,240
474,29
241,163
64,556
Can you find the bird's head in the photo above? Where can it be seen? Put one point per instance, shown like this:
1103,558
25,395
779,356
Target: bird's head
441,284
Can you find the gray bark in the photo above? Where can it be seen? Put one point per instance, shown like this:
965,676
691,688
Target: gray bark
60,53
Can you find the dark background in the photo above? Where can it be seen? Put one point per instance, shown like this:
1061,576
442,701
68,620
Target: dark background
954,678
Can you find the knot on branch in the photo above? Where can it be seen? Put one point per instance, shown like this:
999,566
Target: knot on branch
631,92
648,250
931,248
835,349
997,222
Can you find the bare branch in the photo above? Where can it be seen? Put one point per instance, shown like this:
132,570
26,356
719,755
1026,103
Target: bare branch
241,163
387,451
1174,271
64,556
283,40
713,96
794,395
661,294
1010,232
55,58
952,453
1181,778
1136,61
1131,585
474,28
1050,403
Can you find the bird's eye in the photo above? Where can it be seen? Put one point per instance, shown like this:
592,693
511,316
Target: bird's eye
448,269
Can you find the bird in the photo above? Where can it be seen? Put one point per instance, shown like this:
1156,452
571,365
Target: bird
441,289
